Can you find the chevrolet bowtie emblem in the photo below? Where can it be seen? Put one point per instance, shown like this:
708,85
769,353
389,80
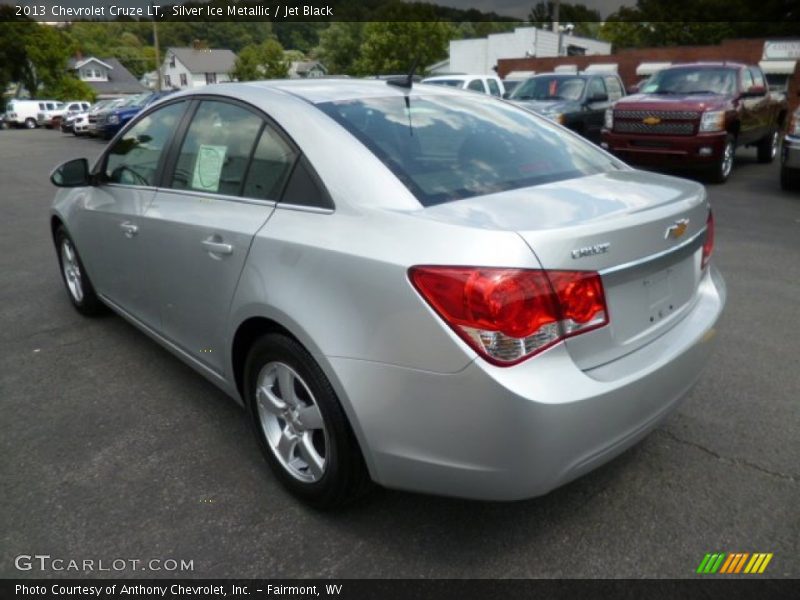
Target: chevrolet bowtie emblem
651,120
677,230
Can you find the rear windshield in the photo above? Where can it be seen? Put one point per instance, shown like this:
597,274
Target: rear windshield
446,148
548,87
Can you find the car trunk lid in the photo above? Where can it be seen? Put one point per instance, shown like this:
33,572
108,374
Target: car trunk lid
642,232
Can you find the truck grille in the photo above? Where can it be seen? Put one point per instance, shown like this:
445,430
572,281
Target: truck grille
673,115
667,122
661,128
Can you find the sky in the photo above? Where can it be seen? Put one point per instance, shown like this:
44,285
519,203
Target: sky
521,8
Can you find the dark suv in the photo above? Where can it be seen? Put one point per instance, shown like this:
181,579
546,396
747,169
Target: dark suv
576,100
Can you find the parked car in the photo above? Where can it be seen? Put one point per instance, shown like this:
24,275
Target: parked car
695,116
101,107
578,101
3,121
23,113
111,120
485,84
51,118
790,154
433,290
78,123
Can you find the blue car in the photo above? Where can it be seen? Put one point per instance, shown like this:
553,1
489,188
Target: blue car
110,122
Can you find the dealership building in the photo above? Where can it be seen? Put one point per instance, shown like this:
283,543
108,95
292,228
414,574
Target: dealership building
777,58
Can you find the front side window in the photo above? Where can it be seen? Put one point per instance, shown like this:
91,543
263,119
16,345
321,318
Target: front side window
134,159
476,85
548,87
596,88
494,89
758,78
448,148
217,148
614,88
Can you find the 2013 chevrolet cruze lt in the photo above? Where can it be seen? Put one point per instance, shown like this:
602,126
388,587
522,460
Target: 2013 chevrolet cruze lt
426,288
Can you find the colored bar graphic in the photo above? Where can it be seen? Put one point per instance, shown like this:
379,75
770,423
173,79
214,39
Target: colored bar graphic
734,563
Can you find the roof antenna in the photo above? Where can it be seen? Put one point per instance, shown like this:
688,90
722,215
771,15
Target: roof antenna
406,81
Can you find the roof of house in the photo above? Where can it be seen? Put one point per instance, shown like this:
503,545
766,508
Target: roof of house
75,63
120,80
205,60
304,66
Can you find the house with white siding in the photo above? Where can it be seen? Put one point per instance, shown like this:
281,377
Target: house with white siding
190,68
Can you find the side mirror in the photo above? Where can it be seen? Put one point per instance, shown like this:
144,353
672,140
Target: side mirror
73,173
600,97
755,90
506,95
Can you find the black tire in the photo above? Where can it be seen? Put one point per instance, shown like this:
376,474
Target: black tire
768,147
345,476
30,123
88,304
720,172
790,179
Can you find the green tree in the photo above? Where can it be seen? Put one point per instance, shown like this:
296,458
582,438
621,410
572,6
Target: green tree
14,64
48,50
339,47
262,61
70,88
392,47
585,20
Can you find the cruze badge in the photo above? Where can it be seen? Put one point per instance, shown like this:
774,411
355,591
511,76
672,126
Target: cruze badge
677,230
591,250
651,120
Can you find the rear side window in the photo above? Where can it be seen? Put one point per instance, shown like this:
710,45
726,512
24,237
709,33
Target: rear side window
272,161
217,148
494,89
476,85
448,148
305,188
134,158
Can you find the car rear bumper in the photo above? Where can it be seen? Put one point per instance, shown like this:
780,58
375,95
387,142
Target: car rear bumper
702,150
496,433
790,152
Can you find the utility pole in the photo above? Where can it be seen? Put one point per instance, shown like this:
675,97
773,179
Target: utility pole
556,27
158,57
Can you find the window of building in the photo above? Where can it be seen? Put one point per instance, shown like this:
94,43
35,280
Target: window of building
211,78
184,82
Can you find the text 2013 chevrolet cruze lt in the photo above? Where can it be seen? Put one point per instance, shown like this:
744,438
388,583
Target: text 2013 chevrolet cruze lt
422,287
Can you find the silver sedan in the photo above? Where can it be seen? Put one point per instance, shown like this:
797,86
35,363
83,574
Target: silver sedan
420,287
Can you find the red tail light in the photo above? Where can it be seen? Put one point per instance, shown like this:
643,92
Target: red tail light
508,315
708,245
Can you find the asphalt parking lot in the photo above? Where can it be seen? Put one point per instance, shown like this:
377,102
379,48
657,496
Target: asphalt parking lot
111,448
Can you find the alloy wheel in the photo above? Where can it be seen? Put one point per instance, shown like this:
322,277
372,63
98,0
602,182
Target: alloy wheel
72,271
727,159
292,422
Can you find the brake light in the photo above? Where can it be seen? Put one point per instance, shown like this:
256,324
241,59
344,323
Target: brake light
708,245
509,315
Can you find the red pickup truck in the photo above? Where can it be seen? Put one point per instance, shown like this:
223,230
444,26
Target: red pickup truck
695,116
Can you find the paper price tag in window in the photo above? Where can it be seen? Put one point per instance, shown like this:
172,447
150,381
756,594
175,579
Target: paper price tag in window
208,167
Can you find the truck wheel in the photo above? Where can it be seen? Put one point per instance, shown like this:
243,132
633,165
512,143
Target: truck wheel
30,123
768,147
721,170
790,179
